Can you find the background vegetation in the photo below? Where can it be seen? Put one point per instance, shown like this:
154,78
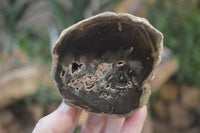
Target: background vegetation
179,21
30,28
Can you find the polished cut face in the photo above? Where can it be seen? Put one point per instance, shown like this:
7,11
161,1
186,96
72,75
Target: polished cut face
104,64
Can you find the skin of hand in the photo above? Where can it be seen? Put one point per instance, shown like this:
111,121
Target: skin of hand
64,120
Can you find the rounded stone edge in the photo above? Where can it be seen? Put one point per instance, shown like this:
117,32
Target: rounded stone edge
145,94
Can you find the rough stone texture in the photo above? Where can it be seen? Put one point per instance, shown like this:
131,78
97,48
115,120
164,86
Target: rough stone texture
104,64
179,117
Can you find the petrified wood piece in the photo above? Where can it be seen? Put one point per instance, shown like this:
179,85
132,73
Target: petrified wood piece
104,64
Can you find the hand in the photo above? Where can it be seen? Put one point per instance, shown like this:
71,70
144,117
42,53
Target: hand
65,118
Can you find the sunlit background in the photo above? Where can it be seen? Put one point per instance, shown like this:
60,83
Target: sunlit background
28,29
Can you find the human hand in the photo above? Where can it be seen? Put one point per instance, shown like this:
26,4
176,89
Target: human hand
65,118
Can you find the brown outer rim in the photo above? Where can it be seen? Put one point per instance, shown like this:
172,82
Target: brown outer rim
146,83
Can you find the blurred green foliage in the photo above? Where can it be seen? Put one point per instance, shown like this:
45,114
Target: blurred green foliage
12,11
13,36
179,21
37,43
78,10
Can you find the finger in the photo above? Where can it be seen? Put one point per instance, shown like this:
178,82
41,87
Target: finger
134,123
94,124
63,120
114,125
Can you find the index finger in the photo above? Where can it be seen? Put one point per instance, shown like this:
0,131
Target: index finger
62,120
134,123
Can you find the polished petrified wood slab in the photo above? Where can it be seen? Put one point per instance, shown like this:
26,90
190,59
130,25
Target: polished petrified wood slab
104,64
